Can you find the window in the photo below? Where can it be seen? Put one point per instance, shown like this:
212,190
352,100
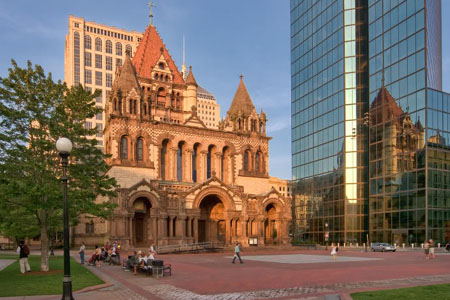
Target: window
87,59
108,80
88,125
246,160
161,65
140,149
99,116
124,148
87,42
98,44
99,99
98,61
87,76
129,50
118,49
77,25
99,129
76,57
118,62
90,228
98,78
109,47
109,63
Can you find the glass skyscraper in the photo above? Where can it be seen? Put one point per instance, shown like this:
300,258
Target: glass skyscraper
369,122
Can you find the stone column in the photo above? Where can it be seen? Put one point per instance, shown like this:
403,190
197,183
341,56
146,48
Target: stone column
155,229
188,170
189,229
173,164
181,226
195,230
228,233
201,168
218,165
130,223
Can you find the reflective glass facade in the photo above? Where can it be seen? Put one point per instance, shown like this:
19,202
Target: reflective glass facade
362,141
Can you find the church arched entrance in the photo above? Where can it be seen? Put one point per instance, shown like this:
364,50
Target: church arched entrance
142,233
211,225
270,225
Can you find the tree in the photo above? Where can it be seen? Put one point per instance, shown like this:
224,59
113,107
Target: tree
34,112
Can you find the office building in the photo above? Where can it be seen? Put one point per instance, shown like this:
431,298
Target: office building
369,122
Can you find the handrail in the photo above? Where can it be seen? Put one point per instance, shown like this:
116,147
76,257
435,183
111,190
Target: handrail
190,247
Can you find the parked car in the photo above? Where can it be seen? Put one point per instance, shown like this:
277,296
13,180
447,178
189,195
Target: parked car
383,247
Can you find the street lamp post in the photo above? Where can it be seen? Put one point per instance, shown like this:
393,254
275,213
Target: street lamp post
64,146
327,235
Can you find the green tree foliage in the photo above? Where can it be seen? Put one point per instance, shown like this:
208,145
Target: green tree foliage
34,112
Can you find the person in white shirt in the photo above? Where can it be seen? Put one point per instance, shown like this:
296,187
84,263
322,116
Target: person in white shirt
82,250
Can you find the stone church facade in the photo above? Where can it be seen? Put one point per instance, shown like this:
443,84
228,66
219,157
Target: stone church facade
179,181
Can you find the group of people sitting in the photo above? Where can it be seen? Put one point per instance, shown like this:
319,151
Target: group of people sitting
109,254
140,260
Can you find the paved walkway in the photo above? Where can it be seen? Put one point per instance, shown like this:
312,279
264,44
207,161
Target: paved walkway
306,275
5,262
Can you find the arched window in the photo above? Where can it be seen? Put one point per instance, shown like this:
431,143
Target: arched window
129,50
257,162
161,97
98,44
120,105
118,49
246,160
180,162
194,163
144,108
87,42
140,149
109,47
124,148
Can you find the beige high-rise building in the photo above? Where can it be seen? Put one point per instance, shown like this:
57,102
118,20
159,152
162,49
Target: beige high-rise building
207,109
92,54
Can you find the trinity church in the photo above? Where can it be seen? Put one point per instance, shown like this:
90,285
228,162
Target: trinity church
181,181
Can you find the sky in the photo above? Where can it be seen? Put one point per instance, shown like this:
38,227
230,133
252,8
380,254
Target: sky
224,39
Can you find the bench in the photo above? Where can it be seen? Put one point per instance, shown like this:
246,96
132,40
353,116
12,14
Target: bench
159,269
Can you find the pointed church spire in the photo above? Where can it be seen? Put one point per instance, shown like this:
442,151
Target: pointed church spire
242,103
190,80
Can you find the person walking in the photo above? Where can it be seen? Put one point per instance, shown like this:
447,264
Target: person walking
82,250
426,249
432,249
237,253
23,251
334,251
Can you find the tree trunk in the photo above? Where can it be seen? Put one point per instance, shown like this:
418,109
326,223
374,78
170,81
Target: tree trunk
44,243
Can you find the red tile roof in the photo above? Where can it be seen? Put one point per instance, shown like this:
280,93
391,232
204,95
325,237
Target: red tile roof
148,53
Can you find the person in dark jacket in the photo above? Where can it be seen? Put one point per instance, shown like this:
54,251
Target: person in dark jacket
23,251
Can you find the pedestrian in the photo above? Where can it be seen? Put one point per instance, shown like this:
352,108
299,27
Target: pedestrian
107,246
432,249
237,253
82,250
98,256
426,249
334,251
23,251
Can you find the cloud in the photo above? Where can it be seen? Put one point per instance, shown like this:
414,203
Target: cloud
278,123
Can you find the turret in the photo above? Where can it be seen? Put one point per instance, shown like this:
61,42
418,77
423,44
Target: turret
190,94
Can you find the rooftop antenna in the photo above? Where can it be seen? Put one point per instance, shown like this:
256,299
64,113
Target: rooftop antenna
183,67
151,5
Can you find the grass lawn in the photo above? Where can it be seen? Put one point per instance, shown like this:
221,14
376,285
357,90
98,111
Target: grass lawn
440,291
13,283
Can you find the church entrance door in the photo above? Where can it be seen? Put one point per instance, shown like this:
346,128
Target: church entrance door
142,231
270,228
211,225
